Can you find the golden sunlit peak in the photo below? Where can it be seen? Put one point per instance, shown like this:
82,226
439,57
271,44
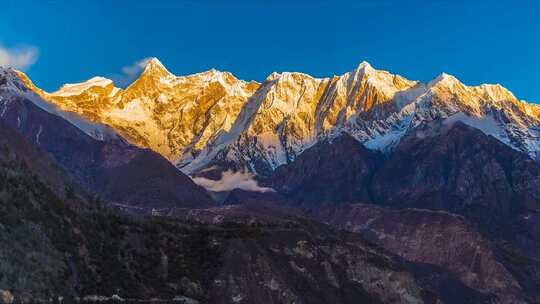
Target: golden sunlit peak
444,78
70,89
364,65
155,61
154,65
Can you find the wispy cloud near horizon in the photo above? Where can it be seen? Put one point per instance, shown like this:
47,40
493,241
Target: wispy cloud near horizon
232,180
21,57
130,72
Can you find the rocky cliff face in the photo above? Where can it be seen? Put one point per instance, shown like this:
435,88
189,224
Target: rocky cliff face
437,283
437,238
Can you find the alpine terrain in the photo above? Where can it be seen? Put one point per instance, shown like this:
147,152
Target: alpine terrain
214,119
364,187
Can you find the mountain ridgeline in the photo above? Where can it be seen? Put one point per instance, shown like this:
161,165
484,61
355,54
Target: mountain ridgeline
364,187
212,119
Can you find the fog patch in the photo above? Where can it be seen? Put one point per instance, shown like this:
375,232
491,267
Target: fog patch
232,180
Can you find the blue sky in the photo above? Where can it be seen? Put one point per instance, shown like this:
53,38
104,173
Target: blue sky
69,41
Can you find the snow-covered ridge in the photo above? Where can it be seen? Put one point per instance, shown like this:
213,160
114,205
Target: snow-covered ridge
16,85
212,117
70,89
375,107
173,115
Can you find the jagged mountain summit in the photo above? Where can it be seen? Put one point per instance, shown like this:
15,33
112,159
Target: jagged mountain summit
171,115
213,121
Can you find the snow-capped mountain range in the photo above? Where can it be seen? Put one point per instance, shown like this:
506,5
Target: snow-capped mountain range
214,120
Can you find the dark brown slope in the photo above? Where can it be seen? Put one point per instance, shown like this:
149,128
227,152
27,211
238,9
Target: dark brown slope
459,169
18,152
330,172
453,168
239,196
437,283
115,170
438,238
48,250
442,167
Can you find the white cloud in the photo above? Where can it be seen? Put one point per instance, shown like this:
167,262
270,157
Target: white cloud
130,72
19,57
231,180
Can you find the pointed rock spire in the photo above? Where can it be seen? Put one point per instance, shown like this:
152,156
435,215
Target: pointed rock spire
445,80
364,65
154,67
